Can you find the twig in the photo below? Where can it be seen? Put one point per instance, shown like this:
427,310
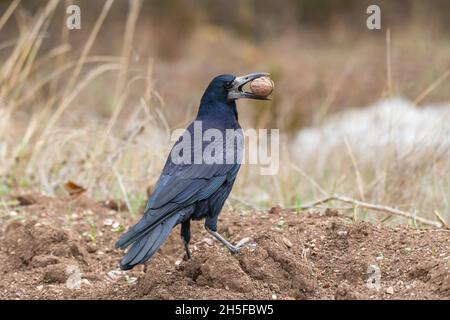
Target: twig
431,87
438,215
122,188
376,207
355,167
388,61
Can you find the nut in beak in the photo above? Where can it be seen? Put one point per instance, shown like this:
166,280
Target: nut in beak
260,85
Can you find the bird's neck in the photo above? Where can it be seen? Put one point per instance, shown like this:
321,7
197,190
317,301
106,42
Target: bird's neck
224,110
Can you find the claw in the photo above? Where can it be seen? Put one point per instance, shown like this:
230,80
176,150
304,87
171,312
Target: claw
234,250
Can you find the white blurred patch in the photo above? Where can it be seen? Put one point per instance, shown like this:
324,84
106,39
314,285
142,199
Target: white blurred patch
395,124
74,280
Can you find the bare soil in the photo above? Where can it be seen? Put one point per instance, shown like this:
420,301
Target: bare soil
63,248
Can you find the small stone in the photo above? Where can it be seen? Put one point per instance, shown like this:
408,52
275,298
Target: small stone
115,275
287,242
208,241
86,282
274,297
130,280
390,290
91,248
74,280
243,241
108,222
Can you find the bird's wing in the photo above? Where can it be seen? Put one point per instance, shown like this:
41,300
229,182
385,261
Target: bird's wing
183,184
173,192
179,186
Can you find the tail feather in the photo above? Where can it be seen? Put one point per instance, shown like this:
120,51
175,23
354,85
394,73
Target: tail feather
148,243
134,234
141,228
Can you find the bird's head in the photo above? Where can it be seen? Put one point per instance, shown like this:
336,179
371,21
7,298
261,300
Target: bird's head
229,87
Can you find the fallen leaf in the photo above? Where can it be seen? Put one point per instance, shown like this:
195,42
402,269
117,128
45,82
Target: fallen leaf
74,189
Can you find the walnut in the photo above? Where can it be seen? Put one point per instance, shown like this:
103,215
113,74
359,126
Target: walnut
262,86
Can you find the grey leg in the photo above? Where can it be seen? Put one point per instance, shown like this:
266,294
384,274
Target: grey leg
233,249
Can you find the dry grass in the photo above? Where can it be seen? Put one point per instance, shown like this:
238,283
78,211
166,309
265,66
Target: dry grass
60,120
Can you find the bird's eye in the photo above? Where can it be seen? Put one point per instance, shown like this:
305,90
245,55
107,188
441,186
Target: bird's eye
228,85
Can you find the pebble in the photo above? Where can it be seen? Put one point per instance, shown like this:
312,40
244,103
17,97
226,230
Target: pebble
287,242
208,241
243,241
108,222
86,282
115,275
390,290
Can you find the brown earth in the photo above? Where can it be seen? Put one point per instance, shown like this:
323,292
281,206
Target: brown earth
63,248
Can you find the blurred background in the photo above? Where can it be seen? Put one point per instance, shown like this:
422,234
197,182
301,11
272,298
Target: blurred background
362,113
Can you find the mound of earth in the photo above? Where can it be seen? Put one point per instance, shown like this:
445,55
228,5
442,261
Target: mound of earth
60,248
32,244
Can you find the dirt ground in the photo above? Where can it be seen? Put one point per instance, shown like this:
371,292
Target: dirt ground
63,248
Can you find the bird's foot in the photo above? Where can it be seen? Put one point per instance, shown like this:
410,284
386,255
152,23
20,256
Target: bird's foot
187,257
245,242
232,248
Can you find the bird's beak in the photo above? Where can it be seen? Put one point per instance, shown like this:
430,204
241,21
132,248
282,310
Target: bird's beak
236,91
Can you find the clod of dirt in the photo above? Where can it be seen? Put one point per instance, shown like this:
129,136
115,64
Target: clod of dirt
273,263
275,210
70,275
44,261
223,272
114,205
55,274
344,292
32,244
436,273
440,277
331,212
26,200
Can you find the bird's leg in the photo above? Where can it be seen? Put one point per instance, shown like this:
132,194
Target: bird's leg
233,249
187,255
186,236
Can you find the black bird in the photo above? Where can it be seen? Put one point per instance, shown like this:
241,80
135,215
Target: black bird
197,190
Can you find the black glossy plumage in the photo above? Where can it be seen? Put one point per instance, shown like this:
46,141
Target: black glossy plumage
188,191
